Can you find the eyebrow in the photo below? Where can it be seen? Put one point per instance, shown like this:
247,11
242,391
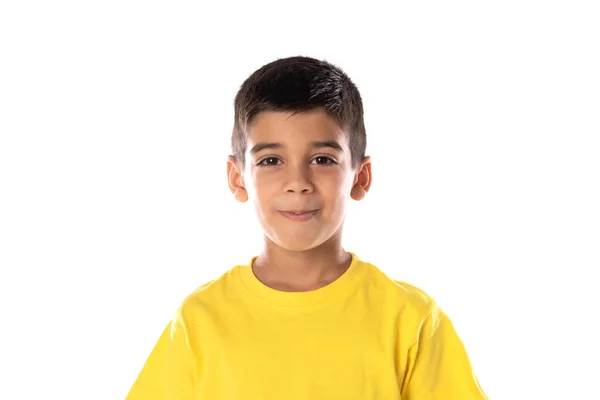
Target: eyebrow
315,145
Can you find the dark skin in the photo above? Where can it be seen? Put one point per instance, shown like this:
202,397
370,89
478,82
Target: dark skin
297,163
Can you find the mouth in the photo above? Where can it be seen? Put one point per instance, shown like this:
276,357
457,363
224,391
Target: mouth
299,215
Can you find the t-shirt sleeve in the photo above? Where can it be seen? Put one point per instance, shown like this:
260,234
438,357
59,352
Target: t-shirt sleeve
170,370
438,365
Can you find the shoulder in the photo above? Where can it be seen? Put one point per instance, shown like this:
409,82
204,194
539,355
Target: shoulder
211,293
417,295
407,296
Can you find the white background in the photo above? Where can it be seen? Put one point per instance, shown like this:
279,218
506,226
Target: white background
115,121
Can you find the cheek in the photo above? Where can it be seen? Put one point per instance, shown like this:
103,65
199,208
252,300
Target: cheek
343,183
337,191
260,190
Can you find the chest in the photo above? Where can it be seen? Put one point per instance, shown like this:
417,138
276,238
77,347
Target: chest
333,353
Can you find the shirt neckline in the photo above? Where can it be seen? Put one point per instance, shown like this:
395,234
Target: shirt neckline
339,289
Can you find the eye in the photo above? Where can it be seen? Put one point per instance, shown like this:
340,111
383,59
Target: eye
269,161
322,160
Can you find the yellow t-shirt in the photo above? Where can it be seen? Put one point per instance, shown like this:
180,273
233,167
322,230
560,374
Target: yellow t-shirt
363,337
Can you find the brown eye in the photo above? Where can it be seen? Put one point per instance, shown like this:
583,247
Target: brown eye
269,161
322,160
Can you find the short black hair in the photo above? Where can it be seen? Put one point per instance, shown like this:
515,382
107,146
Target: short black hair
299,84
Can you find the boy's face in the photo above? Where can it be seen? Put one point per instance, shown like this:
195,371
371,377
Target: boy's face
299,176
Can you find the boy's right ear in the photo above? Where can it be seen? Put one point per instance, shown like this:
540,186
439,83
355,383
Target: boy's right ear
236,180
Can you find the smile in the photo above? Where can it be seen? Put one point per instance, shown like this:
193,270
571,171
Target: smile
298,215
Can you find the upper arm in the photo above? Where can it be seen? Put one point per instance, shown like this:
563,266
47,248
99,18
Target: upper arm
438,364
170,370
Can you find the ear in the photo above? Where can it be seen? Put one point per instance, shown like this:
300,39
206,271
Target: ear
236,180
362,180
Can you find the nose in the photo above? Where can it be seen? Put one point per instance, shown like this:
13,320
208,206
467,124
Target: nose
298,180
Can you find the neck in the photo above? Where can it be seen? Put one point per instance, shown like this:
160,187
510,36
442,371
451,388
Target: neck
297,271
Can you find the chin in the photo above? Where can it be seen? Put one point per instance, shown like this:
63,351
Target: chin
298,236
298,244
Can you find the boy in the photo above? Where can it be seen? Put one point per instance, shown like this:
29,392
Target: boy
305,319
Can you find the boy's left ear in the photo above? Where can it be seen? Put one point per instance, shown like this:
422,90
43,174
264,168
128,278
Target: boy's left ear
362,179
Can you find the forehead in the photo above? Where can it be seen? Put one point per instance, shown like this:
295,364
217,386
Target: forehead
302,127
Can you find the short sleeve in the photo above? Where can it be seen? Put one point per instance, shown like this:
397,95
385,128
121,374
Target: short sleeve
438,365
170,370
